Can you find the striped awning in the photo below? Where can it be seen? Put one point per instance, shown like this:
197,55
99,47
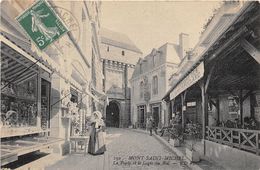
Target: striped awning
14,66
24,49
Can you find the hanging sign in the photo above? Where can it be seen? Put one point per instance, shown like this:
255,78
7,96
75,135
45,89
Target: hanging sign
42,24
188,81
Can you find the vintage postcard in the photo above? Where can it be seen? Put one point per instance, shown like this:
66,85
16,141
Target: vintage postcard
130,85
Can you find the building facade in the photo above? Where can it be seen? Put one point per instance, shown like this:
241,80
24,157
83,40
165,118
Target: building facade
150,81
48,92
119,56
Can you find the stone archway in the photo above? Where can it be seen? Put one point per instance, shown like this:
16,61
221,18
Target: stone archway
112,114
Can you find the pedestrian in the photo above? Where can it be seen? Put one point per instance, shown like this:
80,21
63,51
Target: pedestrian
151,126
154,127
147,122
96,144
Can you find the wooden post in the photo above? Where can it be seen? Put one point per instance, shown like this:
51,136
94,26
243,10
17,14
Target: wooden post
241,107
218,111
252,104
169,106
183,96
204,104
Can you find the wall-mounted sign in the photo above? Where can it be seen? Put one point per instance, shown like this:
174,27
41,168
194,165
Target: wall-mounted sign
42,24
188,81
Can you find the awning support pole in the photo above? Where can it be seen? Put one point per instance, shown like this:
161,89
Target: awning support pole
241,107
60,100
204,104
183,98
218,111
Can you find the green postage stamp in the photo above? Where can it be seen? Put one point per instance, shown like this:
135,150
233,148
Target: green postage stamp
41,24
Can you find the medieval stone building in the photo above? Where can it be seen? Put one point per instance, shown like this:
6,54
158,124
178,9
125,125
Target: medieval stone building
119,55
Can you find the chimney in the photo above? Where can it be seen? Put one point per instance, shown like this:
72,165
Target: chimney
183,44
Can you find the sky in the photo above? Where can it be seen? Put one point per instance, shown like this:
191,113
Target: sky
150,24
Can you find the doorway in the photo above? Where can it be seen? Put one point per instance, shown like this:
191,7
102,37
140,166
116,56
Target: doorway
141,116
156,115
112,114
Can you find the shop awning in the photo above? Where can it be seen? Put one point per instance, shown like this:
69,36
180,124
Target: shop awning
14,66
22,47
195,75
29,51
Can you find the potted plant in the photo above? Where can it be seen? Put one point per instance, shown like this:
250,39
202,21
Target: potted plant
176,135
193,133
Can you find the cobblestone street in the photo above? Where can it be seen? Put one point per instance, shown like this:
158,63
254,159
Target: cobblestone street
126,149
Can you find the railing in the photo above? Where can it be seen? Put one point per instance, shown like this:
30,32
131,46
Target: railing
248,140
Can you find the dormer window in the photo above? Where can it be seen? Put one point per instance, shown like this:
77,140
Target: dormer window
123,53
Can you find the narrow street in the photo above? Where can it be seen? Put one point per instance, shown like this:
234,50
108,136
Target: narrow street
189,70
146,151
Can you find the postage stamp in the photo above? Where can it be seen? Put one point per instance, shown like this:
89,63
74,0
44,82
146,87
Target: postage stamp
42,24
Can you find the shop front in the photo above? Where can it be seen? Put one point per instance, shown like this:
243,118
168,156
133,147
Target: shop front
25,103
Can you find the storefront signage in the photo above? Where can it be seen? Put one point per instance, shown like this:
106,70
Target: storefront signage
41,24
192,78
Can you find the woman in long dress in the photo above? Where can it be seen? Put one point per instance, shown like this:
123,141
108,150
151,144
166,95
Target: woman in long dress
96,144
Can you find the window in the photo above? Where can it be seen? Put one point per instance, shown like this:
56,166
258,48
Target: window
107,48
155,85
123,53
141,89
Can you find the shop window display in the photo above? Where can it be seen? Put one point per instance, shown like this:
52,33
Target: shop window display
19,104
74,112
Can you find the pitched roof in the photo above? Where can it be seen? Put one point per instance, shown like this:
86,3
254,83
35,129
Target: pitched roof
118,40
167,53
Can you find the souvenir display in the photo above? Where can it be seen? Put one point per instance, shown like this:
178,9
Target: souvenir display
18,104
44,113
65,96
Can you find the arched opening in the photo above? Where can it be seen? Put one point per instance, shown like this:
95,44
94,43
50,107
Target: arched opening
112,114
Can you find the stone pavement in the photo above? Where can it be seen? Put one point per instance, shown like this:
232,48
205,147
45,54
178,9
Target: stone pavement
204,164
127,150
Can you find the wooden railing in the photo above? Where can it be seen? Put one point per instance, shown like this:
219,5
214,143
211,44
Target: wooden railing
248,140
